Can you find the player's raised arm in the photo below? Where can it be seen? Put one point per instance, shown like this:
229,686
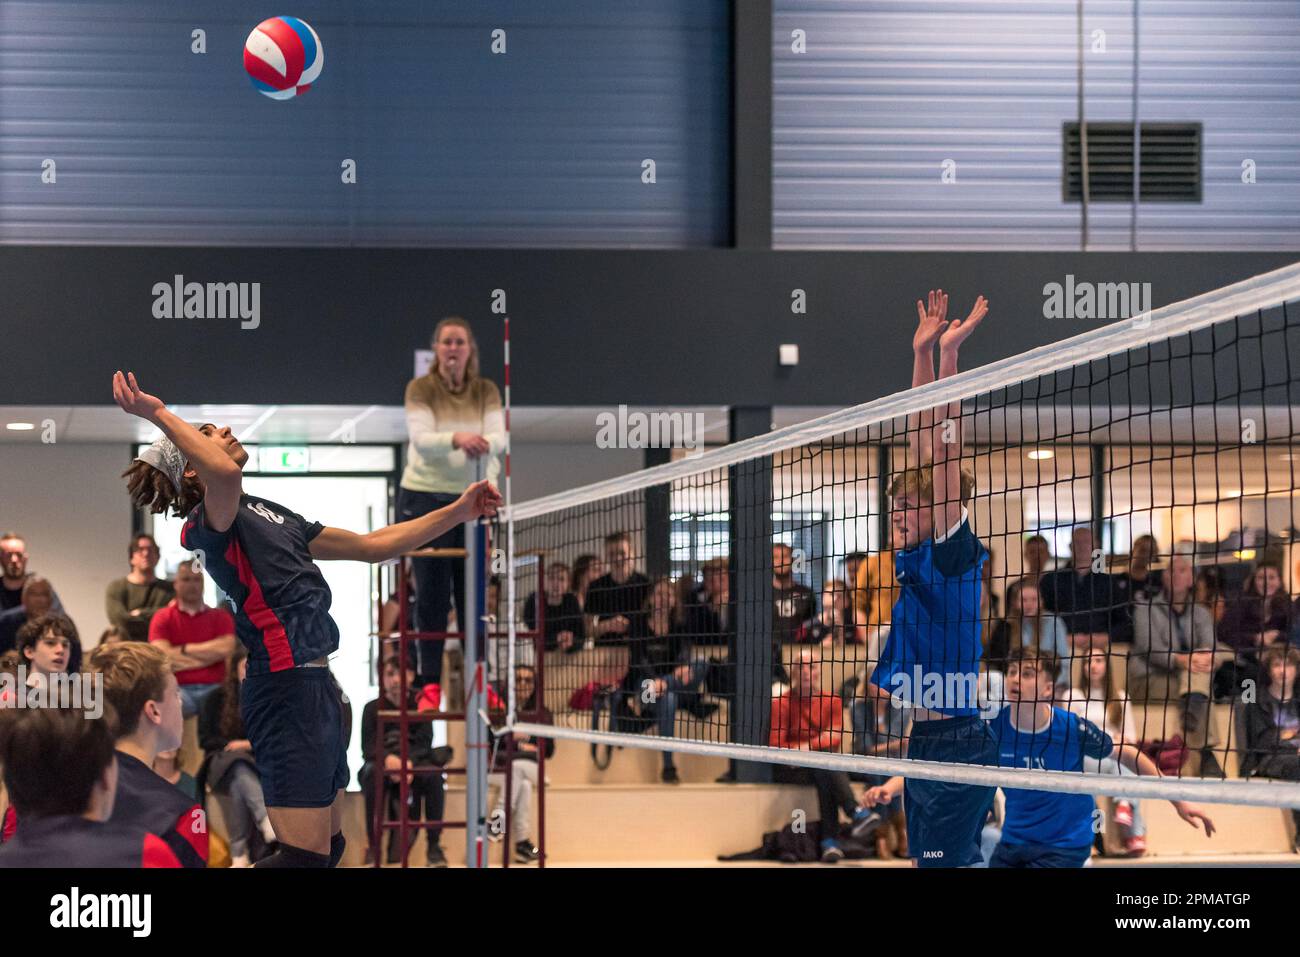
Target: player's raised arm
930,324
220,474
480,499
947,430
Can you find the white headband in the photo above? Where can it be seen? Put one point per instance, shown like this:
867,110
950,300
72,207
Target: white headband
166,458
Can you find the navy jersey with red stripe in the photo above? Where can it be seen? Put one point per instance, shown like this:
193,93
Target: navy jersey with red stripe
72,841
145,800
279,597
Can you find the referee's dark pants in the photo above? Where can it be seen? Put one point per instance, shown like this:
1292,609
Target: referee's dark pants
439,582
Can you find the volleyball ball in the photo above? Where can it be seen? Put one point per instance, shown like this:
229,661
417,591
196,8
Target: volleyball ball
283,57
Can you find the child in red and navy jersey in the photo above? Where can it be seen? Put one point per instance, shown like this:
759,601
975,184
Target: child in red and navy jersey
140,686
263,556
61,772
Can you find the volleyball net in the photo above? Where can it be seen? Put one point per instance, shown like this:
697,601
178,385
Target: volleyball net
1133,486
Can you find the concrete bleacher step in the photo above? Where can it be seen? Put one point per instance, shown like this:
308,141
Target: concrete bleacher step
664,822
607,823
1239,830
612,824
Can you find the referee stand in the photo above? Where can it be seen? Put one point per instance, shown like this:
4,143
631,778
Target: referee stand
474,712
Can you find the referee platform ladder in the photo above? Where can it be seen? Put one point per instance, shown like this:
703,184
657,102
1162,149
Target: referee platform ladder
403,716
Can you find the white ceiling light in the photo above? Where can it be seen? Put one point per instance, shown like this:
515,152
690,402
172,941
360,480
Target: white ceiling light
20,426
1040,454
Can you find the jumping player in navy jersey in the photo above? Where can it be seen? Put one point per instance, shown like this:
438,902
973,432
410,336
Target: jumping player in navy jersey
930,662
262,555
1049,828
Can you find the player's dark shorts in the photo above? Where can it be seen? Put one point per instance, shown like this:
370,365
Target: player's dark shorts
944,820
1039,855
294,720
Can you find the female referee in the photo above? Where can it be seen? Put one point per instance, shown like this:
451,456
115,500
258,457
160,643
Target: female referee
261,554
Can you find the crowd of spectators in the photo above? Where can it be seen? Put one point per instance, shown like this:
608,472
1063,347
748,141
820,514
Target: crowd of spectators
1148,629
1159,632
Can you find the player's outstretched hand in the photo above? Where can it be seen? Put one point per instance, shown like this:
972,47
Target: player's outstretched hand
877,795
480,499
959,331
131,398
930,321
1191,814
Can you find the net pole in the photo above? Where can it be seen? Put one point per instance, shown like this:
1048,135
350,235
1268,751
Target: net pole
508,837
476,728
510,550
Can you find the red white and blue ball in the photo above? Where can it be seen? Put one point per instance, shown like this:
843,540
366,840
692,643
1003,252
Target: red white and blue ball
283,57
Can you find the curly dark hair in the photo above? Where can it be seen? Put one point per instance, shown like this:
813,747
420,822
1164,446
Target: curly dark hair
30,634
150,488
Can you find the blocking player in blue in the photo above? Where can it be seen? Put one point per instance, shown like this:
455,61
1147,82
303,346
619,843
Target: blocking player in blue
263,557
1050,828
930,662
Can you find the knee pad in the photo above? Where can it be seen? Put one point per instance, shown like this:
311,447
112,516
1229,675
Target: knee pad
290,856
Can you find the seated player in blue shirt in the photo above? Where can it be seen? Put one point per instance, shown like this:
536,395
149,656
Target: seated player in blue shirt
264,558
930,662
1050,828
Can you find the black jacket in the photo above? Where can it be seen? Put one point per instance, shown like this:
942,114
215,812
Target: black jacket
525,712
419,734
653,656
566,616
1263,735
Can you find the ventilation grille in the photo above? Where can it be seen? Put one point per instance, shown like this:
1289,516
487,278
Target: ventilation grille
1171,163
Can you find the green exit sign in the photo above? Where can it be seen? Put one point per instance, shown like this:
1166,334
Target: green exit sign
283,458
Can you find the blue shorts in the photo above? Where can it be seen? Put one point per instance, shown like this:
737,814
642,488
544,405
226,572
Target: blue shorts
944,820
294,720
1039,855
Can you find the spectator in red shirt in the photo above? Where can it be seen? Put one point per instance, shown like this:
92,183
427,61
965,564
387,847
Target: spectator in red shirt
198,640
807,719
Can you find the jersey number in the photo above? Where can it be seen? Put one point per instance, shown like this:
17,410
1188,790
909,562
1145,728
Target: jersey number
266,513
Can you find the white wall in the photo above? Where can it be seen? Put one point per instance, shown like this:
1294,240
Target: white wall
68,501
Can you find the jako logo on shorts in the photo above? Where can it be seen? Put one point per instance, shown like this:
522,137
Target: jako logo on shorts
283,57
179,299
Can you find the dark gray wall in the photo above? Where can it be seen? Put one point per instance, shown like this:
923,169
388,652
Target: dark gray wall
588,327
